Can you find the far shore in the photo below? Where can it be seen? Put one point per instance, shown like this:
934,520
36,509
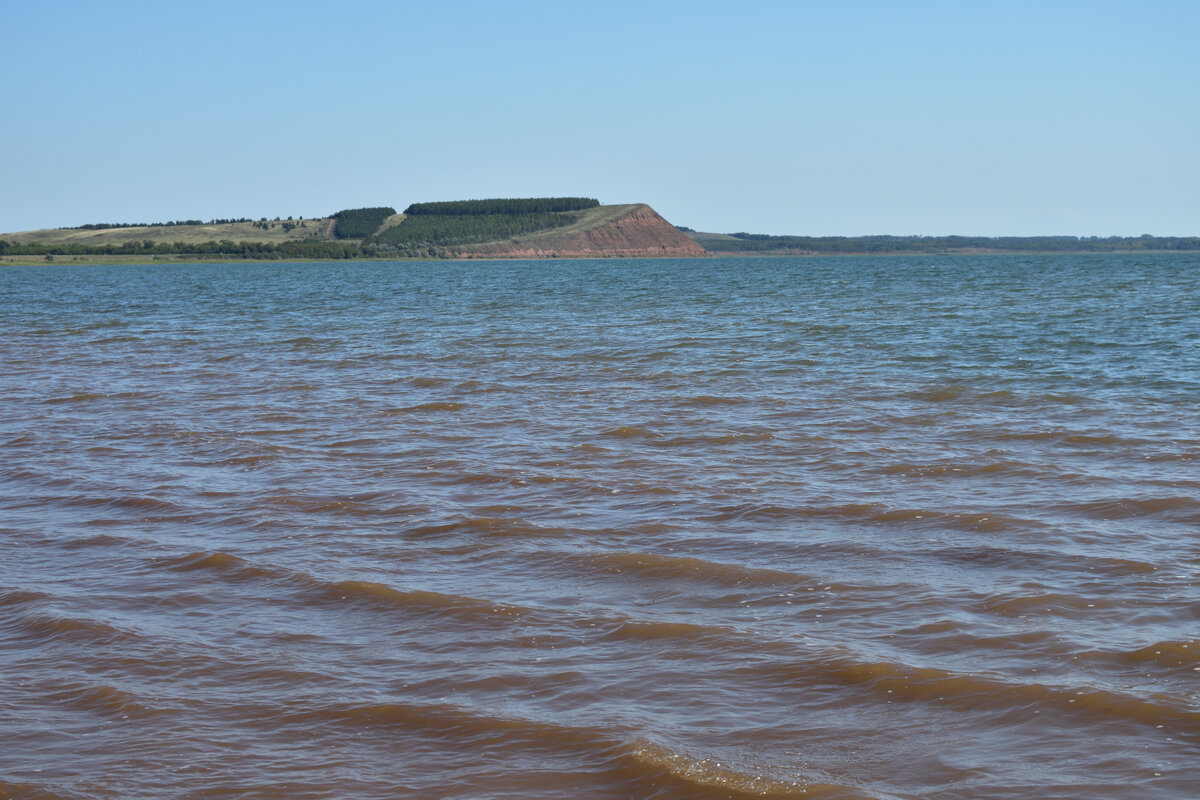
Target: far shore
131,260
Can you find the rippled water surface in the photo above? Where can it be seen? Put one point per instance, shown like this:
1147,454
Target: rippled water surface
832,528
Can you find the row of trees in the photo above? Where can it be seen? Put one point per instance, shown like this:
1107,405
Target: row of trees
509,206
439,231
360,223
759,242
103,226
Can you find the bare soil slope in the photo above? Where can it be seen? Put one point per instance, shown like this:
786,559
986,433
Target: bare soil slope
630,231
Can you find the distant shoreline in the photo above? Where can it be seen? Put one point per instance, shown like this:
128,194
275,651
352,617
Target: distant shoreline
138,260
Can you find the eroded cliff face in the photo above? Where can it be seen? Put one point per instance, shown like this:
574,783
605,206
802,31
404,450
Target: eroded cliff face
641,233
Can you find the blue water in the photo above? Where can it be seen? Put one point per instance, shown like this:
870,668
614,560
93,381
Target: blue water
900,527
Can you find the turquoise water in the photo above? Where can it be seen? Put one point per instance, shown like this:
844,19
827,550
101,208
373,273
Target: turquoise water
904,527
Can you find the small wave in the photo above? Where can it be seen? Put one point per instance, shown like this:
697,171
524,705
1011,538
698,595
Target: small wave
107,700
12,597
27,791
1048,603
358,505
231,566
976,692
380,594
677,775
638,767
1175,509
952,393
707,401
99,540
1170,654
83,397
367,593
54,628
1014,469
424,407
652,630
428,382
124,503
445,719
1008,558
119,339
487,526
688,568
874,513
631,432
1101,440
735,437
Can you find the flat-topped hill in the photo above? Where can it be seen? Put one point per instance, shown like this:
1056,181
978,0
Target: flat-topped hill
630,231
562,227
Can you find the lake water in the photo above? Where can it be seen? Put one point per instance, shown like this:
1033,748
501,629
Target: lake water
905,527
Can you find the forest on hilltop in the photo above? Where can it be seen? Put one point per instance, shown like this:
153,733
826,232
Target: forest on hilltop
510,206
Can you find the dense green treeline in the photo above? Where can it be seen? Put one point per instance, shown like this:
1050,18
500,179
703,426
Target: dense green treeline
360,223
758,242
509,206
437,231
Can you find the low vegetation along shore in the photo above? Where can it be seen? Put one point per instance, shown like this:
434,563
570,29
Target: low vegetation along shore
541,227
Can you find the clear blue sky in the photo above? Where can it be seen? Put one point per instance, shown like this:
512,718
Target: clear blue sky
825,118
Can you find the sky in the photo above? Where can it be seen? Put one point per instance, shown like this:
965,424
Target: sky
783,117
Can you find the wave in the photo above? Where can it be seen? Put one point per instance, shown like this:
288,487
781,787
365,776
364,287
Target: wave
60,628
681,568
1103,440
99,540
107,700
82,397
440,405
151,505
1179,509
378,594
487,526
636,767
29,791
631,432
1047,562
874,513
442,719
979,692
313,590
1045,603
1170,654
709,439
677,776
708,401
954,392
13,597
966,469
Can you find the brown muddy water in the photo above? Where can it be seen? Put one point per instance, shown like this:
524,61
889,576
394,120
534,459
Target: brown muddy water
828,528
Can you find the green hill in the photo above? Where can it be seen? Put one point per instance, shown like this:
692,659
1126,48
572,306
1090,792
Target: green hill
501,227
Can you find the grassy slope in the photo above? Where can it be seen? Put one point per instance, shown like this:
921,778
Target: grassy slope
592,218
237,232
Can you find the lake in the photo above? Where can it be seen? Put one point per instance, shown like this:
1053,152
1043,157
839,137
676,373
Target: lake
890,528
